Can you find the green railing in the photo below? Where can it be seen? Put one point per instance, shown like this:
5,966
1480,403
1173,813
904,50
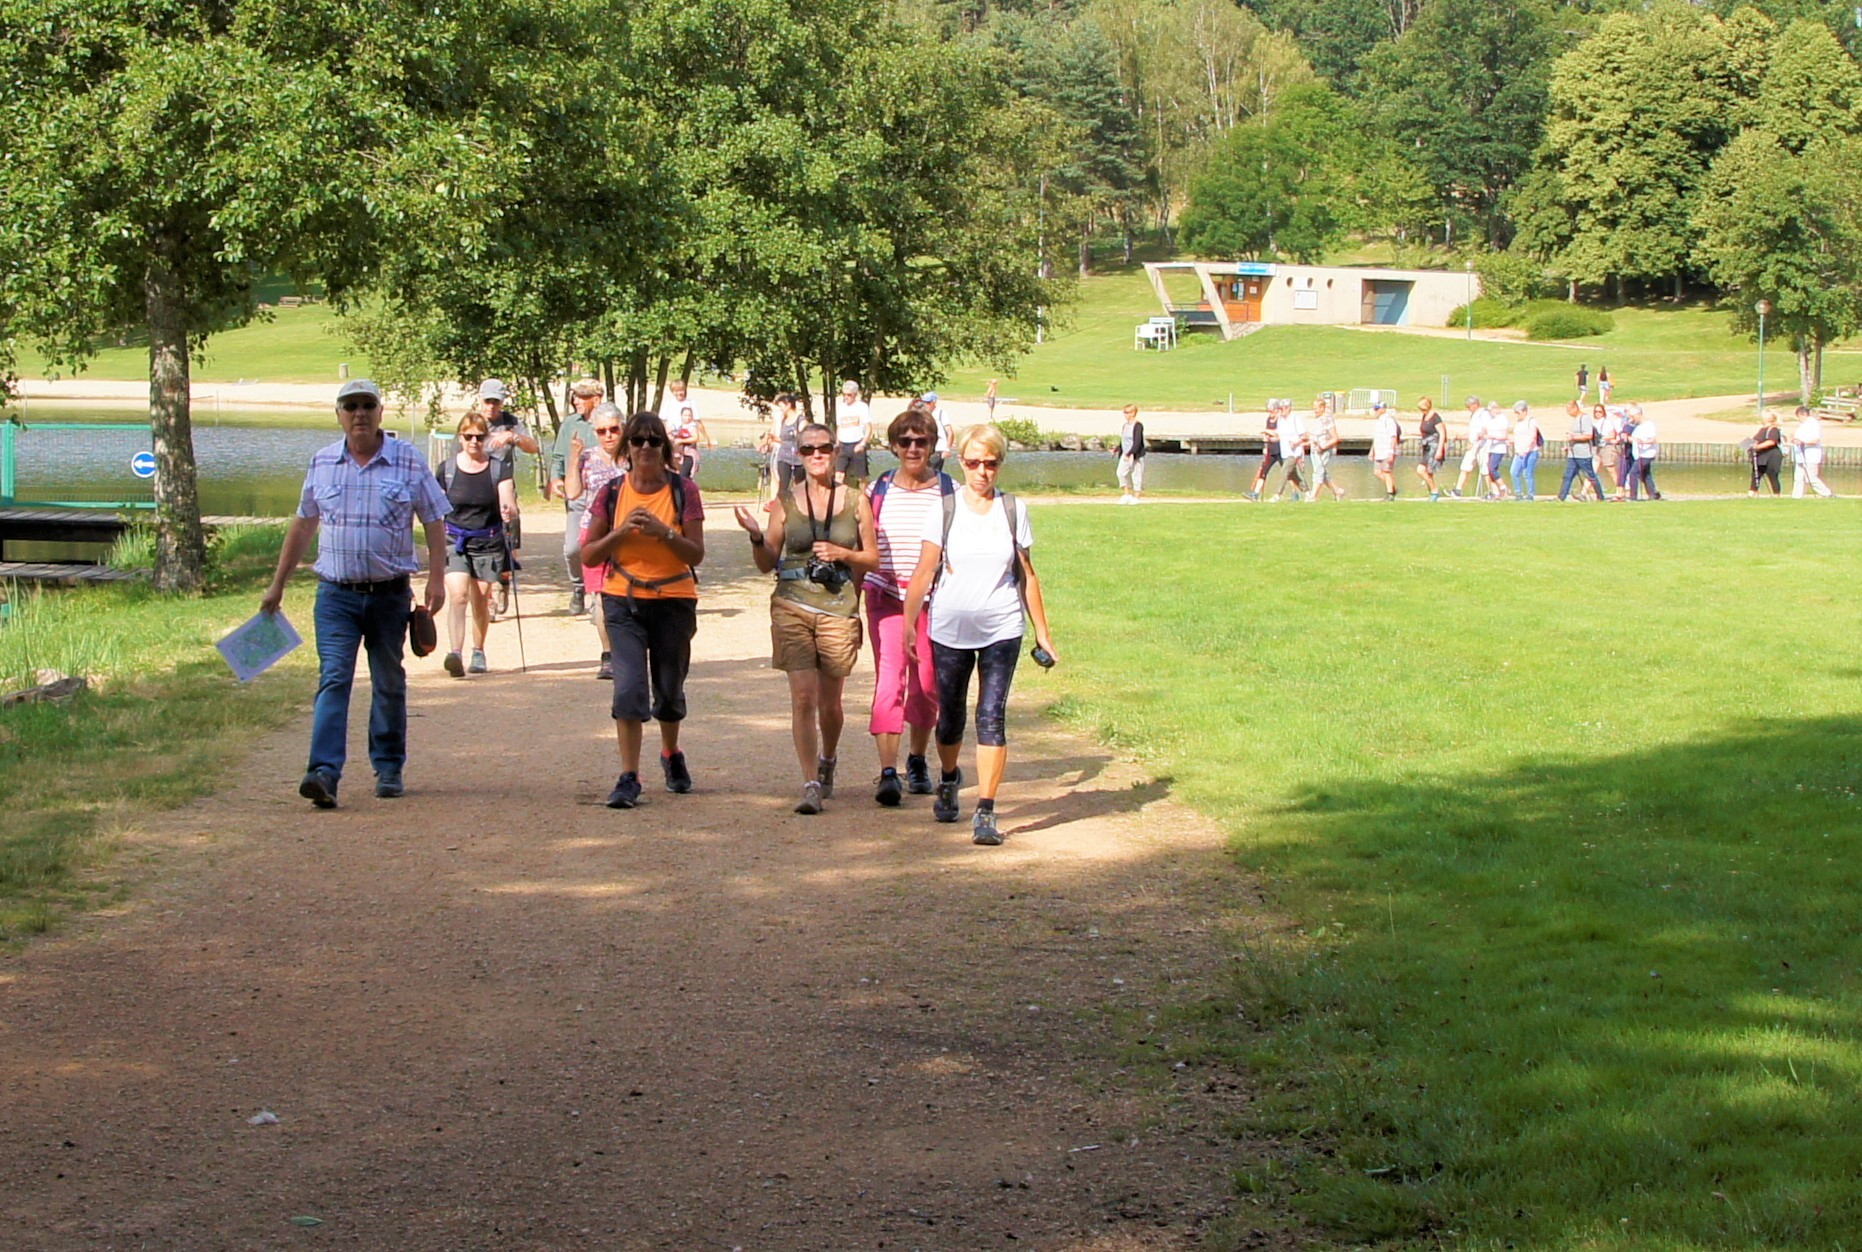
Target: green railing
10,433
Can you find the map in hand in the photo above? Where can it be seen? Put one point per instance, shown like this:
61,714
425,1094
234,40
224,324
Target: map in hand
255,646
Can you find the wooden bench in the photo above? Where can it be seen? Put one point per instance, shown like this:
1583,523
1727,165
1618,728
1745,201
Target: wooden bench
1839,408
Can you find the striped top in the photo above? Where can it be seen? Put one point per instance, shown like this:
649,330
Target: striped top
366,512
900,519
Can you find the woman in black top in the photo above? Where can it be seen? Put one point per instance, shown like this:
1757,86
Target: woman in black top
1767,453
484,500
1434,445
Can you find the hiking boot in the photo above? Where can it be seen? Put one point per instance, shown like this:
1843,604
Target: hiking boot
983,828
889,791
1455,492
319,787
678,778
388,785
918,776
605,671
945,807
626,791
824,774
455,664
1254,496
811,799
578,602
478,662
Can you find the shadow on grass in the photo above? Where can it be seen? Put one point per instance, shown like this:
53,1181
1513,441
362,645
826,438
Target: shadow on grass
1586,999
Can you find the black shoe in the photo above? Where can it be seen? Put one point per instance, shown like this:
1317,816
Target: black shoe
605,671
455,664
678,778
983,828
578,602
626,791
319,787
889,792
388,786
945,807
918,776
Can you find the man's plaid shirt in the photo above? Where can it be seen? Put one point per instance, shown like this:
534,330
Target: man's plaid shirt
366,512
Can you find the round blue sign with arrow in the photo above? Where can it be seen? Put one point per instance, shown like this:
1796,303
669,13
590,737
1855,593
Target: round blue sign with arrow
142,465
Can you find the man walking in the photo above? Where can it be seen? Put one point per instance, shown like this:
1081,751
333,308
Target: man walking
507,437
584,395
1475,455
1580,452
1583,382
1807,447
1323,436
853,430
364,491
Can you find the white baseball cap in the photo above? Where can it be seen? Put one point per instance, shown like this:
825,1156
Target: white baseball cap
357,387
491,389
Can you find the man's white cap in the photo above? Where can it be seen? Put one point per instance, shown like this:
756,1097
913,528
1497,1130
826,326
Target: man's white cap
1519,406
357,387
491,389
850,384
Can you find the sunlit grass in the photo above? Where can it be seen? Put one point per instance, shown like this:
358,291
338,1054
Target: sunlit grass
1563,806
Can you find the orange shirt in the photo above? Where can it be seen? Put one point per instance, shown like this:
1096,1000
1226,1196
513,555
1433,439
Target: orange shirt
646,558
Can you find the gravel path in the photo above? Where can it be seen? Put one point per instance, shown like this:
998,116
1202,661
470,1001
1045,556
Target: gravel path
497,1015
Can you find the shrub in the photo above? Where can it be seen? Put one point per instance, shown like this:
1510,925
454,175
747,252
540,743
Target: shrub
1512,277
1021,430
1553,319
1488,313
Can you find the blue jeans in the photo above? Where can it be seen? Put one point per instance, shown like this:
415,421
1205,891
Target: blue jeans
1575,466
347,620
1524,467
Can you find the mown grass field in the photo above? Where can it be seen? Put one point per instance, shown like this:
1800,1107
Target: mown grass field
1562,805
165,722
1653,354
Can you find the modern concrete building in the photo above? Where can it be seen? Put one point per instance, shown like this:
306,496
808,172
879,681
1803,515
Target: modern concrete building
1235,297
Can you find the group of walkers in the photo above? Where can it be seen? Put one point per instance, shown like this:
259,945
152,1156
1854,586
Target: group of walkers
942,569
1611,452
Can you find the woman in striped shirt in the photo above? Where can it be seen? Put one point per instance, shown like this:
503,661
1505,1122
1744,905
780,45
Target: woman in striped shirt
904,686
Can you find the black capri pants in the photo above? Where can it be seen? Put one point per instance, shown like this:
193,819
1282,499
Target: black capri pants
1766,466
651,642
995,670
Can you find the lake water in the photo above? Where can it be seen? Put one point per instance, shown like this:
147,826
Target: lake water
257,471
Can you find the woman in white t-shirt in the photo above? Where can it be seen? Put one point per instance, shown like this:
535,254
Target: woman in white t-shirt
984,577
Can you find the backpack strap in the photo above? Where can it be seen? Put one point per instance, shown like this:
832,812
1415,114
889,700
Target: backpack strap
877,492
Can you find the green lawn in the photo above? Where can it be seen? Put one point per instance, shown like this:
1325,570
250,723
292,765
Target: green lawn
1653,354
300,345
1568,828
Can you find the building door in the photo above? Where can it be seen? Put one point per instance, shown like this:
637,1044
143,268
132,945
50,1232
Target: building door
1242,299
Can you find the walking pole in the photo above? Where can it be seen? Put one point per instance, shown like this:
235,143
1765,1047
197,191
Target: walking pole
517,605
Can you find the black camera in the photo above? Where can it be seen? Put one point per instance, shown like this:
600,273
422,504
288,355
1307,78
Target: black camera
826,574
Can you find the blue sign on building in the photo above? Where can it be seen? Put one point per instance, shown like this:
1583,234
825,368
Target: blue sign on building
142,465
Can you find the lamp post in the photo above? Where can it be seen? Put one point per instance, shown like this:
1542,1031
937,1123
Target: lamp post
1762,308
1470,265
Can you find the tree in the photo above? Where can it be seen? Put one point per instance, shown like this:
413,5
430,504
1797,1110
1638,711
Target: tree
1296,183
1466,85
1336,35
160,158
1638,112
1811,90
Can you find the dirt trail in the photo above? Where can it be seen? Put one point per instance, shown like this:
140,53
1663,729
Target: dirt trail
495,1014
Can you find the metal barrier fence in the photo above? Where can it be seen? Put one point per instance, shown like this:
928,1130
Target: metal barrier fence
87,465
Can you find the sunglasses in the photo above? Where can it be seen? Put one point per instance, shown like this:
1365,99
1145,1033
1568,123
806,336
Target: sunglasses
607,430
982,463
473,438
815,449
647,441
914,442
360,406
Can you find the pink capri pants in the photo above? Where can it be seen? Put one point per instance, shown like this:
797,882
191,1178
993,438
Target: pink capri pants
905,688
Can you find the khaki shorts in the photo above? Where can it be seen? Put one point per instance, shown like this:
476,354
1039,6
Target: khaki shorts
801,641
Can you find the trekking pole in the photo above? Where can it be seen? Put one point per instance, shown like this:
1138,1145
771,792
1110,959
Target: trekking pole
517,605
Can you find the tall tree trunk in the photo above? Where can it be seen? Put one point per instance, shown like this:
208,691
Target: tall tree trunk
1816,365
1680,287
1803,369
180,547
659,381
637,382
1086,251
607,376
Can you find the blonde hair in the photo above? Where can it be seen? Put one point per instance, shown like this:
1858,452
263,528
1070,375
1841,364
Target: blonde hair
1131,410
984,433
588,388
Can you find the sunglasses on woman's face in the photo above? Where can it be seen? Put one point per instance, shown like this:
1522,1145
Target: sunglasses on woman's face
647,441
914,441
473,438
815,449
981,463
607,430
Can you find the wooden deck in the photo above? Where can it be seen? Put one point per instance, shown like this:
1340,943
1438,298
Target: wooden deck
61,574
42,524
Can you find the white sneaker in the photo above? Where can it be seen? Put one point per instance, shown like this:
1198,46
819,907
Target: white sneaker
1126,499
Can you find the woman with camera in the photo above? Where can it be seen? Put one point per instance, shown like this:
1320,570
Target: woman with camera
977,553
819,540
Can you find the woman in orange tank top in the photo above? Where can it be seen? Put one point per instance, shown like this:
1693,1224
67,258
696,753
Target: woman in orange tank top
648,528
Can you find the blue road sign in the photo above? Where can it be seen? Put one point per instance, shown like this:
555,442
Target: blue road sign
142,465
